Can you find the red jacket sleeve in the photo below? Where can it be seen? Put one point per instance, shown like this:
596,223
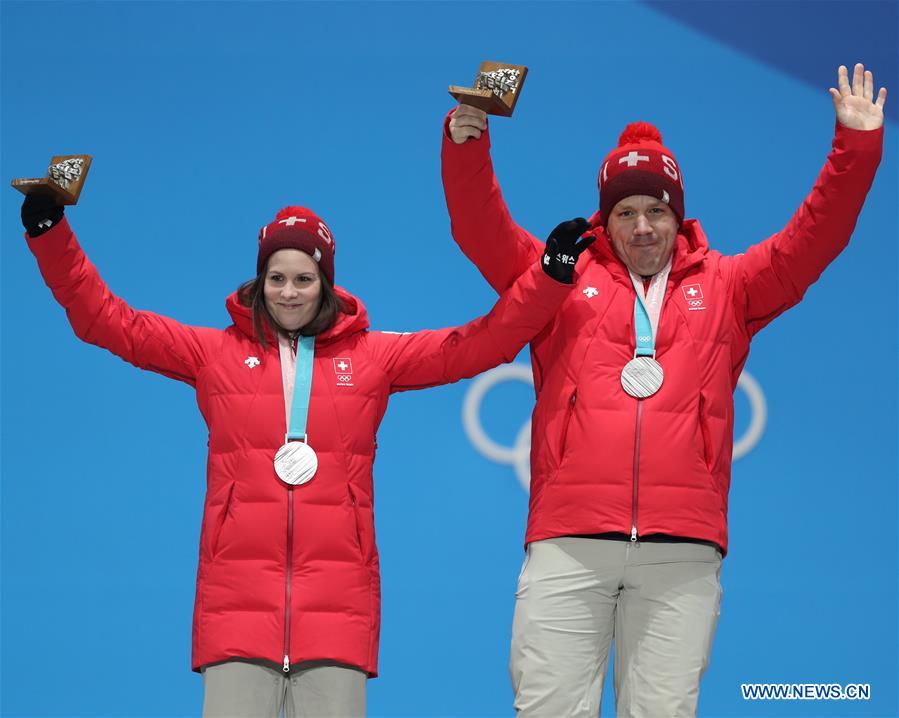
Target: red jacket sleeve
98,317
430,358
773,275
480,220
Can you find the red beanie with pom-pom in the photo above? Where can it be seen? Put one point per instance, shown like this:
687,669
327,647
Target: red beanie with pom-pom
640,165
298,228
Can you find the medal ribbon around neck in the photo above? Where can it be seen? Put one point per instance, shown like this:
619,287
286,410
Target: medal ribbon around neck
642,376
296,462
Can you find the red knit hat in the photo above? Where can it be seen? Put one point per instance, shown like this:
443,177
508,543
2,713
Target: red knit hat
298,228
640,164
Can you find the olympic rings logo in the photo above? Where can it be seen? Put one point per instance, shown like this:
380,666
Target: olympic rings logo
518,455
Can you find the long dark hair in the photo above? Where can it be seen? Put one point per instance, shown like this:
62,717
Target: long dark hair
250,294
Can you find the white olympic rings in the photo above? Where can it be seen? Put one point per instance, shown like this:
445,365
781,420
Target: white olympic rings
518,454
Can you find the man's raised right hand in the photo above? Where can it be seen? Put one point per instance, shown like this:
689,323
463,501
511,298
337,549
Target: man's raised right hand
467,122
39,213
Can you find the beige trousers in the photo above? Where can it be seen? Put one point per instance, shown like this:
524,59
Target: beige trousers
319,689
659,602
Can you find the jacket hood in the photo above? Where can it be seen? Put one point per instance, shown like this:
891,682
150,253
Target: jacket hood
352,318
690,249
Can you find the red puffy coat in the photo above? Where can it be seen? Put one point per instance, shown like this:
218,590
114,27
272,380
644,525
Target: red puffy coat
602,461
289,574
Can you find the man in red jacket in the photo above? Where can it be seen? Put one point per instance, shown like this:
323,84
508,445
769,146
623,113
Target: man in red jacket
632,431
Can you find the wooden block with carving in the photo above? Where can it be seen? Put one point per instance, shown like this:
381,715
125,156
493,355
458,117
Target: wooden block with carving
65,179
496,88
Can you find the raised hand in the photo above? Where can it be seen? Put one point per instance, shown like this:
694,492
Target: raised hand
39,213
855,105
563,248
467,122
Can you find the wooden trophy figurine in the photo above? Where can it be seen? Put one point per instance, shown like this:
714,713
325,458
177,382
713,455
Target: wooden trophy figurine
496,88
64,180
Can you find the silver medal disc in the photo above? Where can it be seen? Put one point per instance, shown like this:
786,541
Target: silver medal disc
642,377
296,463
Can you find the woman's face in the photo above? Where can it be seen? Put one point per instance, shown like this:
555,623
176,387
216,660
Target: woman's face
293,288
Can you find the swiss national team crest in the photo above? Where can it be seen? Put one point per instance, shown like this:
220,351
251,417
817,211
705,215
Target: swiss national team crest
693,295
343,367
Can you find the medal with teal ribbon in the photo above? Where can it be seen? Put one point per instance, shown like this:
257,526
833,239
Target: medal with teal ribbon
642,376
296,462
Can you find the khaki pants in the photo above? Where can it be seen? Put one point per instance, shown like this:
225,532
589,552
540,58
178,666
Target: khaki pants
320,689
658,601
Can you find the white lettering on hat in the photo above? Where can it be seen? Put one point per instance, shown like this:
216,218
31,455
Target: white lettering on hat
324,232
291,221
670,167
632,158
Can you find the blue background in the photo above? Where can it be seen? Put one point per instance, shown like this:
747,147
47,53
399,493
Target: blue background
205,118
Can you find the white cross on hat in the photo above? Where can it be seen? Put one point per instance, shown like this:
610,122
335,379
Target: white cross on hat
632,158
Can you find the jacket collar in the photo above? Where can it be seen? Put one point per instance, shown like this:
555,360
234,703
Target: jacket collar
353,318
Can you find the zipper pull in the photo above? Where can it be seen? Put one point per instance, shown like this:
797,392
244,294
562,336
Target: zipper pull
633,534
286,666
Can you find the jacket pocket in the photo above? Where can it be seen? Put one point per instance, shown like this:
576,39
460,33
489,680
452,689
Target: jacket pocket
705,433
566,421
223,517
357,522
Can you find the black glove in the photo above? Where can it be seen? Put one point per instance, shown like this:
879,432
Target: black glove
39,213
563,249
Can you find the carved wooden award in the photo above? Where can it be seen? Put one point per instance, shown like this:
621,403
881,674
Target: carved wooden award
64,180
496,88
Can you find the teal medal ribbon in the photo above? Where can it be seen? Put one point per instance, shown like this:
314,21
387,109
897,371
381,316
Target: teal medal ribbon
296,462
642,376
302,390
646,345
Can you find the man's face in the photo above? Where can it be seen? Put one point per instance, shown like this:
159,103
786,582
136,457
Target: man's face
643,230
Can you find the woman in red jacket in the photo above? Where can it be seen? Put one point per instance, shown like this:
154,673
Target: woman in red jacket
287,610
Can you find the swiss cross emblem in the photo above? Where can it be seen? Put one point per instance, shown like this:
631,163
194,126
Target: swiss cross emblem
343,367
694,297
632,159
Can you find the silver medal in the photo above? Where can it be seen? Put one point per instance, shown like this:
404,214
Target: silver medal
642,377
296,463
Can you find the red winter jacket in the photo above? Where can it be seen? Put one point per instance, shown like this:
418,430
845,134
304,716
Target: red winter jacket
602,461
290,571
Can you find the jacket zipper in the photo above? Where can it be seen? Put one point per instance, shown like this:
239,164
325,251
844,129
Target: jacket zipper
636,471
294,341
669,285
286,666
